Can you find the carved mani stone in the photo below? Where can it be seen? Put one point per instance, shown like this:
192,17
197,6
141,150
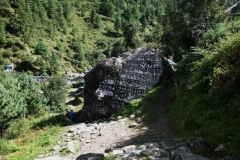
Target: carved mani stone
116,81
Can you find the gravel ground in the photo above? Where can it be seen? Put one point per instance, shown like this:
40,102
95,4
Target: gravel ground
100,136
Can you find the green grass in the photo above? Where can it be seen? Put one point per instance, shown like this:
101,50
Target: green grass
39,136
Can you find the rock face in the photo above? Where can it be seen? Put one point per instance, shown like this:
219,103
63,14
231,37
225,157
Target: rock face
116,81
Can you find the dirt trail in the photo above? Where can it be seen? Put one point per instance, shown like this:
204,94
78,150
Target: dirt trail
115,134
161,126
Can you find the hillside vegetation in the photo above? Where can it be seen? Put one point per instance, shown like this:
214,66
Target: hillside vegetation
206,101
50,37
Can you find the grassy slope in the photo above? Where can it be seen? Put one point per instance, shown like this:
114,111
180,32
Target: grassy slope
37,136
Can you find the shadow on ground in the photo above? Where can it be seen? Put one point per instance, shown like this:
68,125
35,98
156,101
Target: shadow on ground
57,120
90,156
74,102
156,131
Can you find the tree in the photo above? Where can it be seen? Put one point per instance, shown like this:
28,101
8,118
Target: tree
118,48
60,46
54,65
108,51
144,22
135,12
79,52
38,61
130,34
42,50
93,16
35,101
95,19
84,37
63,24
67,10
43,68
185,22
107,8
61,19
52,9
3,40
98,22
56,92
12,105
118,23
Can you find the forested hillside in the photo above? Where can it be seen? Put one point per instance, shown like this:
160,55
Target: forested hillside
51,37
38,34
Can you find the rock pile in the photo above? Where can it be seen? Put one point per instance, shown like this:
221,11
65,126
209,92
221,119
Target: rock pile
168,149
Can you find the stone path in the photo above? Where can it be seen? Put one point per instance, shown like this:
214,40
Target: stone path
95,140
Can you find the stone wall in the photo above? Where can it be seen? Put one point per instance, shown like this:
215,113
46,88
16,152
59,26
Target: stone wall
116,81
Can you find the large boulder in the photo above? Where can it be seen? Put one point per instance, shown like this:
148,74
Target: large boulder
116,81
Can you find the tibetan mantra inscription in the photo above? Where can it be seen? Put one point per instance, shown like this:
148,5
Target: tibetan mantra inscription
139,73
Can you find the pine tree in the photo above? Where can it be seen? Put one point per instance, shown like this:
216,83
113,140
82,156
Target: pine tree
118,23
35,101
63,24
110,9
144,22
79,53
54,65
43,68
185,22
67,9
84,37
12,105
3,40
38,61
42,50
52,9
98,22
42,14
107,8
56,93
130,34
135,12
51,30
118,48
93,16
